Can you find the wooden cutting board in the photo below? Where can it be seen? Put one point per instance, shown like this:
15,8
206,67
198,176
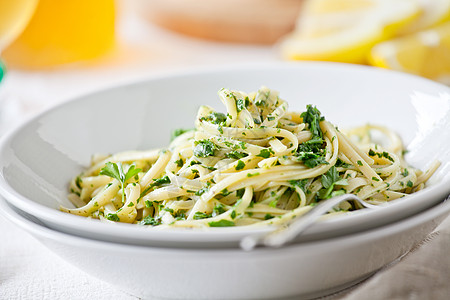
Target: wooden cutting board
242,21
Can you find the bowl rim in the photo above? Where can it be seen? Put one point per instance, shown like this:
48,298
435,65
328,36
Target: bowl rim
438,190
440,209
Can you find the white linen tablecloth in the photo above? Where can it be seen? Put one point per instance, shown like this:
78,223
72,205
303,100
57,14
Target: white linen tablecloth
29,271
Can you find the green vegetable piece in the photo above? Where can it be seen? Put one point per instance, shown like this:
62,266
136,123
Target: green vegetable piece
218,209
201,215
178,132
235,154
202,191
240,165
115,171
329,180
216,118
265,153
204,148
113,217
268,217
149,220
221,223
301,183
312,117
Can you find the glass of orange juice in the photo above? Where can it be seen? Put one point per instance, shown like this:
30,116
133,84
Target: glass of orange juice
62,32
14,16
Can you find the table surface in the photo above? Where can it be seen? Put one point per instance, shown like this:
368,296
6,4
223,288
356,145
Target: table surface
29,271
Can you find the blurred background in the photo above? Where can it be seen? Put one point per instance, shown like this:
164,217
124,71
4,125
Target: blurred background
53,50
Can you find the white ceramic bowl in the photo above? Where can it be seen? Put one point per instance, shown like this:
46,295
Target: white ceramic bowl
38,159
303,270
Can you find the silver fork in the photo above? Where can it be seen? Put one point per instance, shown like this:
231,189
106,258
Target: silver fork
285,234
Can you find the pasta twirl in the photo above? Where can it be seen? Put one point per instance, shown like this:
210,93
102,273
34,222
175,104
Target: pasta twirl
257,164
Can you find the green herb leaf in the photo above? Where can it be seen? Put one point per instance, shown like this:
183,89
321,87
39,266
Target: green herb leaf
268,217
132,171
113,217
179,162
265,153
235,154
201,215
112,170
381,154
116,171
240,165
312,152
301,183
312,117
149,220
202,191
218,209
178,132
329,180
204,148
216,118
221,223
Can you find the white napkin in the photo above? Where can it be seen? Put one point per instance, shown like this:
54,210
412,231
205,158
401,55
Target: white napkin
424,273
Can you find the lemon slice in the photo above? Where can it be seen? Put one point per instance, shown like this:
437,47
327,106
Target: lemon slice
433,12
426,53
345,30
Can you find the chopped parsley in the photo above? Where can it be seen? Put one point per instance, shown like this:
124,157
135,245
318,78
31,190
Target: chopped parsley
241,104
240,193
204,148
178,132
116,171
218,209
156,182
201,215
202,191
240,165
179,162
312,152
216,118
312,117
341,163
381,154
113,217
225,192
78,182
149,220
268,217
235,154
405,173
265,153
221,223
329,180
301,183
252,174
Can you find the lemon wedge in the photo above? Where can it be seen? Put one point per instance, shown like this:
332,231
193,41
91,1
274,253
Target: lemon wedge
425,53
346,30
433,12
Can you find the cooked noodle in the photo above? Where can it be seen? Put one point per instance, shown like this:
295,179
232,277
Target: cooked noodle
257,164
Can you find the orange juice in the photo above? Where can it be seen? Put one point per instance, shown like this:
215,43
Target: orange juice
63,31
14,16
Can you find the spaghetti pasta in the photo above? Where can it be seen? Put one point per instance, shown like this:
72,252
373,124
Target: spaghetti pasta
257,164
